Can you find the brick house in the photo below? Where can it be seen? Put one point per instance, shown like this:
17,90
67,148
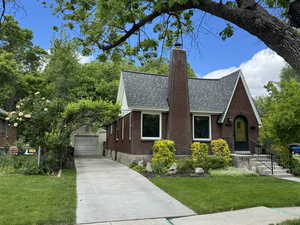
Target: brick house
8,135
181,109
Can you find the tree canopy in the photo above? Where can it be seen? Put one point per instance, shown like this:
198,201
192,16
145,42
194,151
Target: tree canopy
109,25
281,110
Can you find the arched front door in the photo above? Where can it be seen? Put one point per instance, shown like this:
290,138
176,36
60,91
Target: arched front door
241,142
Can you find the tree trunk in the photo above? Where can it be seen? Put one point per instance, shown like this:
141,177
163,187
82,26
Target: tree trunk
277,35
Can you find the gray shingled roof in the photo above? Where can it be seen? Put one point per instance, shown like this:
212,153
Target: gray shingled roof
151,91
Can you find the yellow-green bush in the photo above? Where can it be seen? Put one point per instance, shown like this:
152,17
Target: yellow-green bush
219,147
199,153
163,155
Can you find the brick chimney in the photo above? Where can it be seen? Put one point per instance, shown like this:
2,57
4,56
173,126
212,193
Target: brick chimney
179,118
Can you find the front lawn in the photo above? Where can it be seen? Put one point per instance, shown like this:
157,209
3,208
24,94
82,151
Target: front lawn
38,200
216,194
290,222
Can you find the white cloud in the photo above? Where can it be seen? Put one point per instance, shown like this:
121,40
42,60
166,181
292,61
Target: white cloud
263,67
84,59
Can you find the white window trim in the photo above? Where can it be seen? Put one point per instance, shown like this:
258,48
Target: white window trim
129,127
160,126
122,129
202,139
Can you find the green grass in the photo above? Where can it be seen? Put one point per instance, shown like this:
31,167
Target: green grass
291,222
38,200
216,194
232,171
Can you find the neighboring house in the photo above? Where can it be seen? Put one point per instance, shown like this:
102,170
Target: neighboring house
181,109
87,142
8,135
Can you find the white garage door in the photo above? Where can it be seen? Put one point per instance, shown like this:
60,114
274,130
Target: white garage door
86,145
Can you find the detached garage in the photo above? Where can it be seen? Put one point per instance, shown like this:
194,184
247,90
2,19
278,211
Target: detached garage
87,143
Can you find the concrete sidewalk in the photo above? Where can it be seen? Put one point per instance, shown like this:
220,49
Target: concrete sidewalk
109,191
251,216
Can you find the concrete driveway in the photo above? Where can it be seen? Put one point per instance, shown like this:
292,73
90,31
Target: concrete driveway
109,191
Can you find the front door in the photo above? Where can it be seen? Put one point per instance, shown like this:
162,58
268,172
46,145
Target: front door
241,142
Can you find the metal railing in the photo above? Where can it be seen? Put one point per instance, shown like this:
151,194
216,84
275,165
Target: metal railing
264,155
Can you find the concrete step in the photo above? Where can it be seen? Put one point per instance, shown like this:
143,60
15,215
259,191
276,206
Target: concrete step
275,171
268,165
283,175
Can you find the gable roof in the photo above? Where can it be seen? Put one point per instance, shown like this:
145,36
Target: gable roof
150,92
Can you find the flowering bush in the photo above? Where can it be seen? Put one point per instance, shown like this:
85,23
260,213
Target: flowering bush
32,118
163,155
219,147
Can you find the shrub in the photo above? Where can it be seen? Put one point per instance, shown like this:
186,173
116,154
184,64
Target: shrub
185,165
219,147
284,156
214,162
137,168
296,167
26,165
199,153
163,155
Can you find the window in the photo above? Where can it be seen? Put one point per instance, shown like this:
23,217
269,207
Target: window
129,127
202,128
151,126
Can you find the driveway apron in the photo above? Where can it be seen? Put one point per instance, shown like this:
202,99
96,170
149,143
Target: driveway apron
109,191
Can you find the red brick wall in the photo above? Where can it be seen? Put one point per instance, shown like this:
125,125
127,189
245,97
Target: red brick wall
240,105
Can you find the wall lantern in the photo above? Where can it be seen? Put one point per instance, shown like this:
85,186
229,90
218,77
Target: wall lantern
229,121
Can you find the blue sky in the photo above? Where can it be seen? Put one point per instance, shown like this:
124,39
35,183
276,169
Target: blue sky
209,53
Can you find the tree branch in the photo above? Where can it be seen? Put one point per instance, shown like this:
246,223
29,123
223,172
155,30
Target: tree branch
141,23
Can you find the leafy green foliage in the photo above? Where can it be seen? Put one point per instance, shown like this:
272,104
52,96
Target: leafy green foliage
33,118
212,162
199,153
137,167
85,111
185,165
219,147
289,73
118,27
26,165
227,32
281,121
284,156
19,63
163,155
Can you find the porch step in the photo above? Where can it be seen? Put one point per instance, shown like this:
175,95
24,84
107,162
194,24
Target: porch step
263,167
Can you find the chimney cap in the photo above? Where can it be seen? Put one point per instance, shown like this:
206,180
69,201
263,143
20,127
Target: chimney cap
178,45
